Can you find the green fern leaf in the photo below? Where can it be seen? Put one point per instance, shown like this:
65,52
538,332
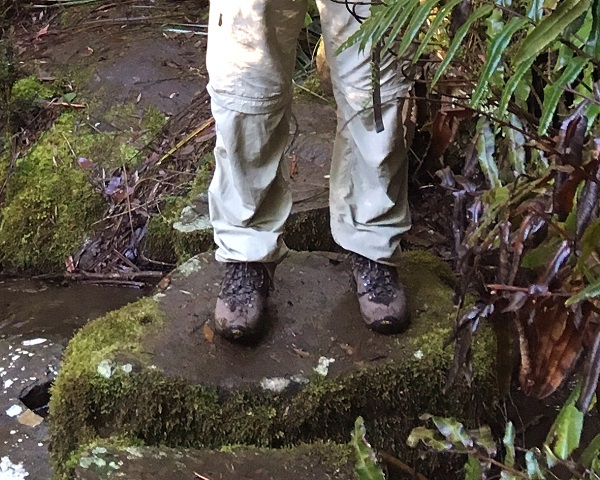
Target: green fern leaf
485,152
366,466
553,92
535,10
400,22
416,22
391,16
516,145
458,39
494,56
550,28
435,25
513,83
592,46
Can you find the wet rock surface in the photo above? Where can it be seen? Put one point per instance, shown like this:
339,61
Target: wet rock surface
318,462
314,324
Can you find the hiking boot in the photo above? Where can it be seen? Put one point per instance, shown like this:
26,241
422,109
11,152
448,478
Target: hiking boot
380,295
242,301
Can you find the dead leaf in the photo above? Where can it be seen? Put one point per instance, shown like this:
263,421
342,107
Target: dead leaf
294,166
70,264
164,282
550,343
300,352
209,333
85,163
29,418
201,477
347,348
42,32
444,128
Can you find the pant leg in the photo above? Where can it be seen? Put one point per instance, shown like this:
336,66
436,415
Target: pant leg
369,171
250,61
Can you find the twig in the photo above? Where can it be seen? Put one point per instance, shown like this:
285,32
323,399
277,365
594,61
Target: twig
201,477
125,20
127,195
314,94
125,260
116,283
65,104
514,288
501,465
186,139
400,465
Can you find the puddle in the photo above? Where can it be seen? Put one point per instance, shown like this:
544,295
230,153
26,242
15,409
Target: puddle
56,312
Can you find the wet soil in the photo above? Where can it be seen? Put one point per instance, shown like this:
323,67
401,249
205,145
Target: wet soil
121,53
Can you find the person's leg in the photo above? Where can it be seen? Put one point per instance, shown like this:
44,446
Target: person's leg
369,173
250,60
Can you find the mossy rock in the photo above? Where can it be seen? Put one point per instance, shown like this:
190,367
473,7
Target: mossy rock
318,461
50,204
154,371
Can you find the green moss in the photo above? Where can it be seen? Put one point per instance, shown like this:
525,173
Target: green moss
112,442
99,341
50,205
160,410
153,120
50,202
28,91
311,88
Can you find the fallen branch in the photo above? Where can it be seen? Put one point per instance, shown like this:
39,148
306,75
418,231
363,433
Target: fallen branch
113,275
400,465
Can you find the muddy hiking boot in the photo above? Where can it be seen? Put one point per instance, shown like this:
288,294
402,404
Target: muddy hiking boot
380,295
242,301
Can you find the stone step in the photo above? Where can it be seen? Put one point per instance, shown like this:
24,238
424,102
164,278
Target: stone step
306,462
155,372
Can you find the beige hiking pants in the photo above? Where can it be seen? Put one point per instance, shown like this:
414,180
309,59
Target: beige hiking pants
250,60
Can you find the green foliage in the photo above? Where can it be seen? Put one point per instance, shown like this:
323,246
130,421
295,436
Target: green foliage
534,463
526,202
366,461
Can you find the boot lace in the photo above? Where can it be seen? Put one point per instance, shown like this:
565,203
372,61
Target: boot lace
242,281
379,281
